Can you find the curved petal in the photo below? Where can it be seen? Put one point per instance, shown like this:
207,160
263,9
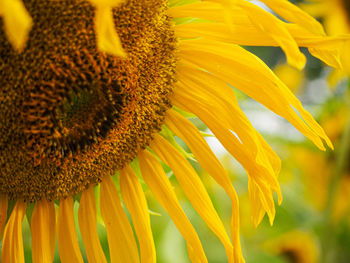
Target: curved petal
88,223
271,91
12,244
17,22
206,158
107,38
67,240
193,188
122,244
43,229
158,183
294,14
136,203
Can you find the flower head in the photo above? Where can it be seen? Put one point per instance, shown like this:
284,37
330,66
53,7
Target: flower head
295,247
86,88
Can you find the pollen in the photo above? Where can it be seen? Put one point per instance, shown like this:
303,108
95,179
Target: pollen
71,114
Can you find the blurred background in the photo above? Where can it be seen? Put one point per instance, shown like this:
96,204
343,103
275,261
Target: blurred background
313,223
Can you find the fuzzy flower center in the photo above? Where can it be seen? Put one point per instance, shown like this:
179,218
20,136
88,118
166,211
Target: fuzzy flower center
70,114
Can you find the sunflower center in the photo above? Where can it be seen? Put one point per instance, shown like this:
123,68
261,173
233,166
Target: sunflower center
291,256
69,114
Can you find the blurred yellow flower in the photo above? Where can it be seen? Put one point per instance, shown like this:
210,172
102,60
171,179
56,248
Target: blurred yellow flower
295,247
316,172
341,204
334,124
318,168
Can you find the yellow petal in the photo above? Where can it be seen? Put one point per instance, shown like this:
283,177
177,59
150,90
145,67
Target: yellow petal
109,3
136,203
43,229
331,56
12,244
158,183
325,48
214,93
203,10
17,22
258,210
256,164
235,65
206,158
263,20
193,188
67,240
241,21
88,227
107,37
122,244
294,14
231,119
213,31
290,76
3,212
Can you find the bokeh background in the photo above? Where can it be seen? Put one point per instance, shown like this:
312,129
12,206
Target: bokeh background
313,223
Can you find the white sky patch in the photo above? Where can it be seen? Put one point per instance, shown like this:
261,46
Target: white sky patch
262,5
267,122
318,91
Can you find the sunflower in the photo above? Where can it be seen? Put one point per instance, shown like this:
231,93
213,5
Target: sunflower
87,87
295,247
